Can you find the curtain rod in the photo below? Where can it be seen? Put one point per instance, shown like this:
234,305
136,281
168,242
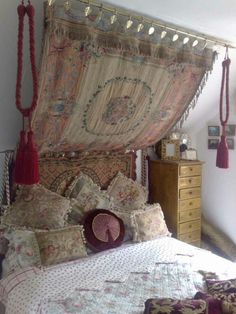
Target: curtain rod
153,22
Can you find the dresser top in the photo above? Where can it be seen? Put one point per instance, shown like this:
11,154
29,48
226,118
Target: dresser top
179,162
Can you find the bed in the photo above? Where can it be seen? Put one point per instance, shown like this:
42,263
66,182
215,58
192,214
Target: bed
116,280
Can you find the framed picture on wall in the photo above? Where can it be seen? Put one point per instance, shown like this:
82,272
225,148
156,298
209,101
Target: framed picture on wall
230,142
213,143
213,130
230,130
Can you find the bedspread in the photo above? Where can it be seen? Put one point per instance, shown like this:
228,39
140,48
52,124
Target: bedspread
115,281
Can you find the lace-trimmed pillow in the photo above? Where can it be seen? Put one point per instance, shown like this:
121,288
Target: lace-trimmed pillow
148,223
37,207
127,194
61,245
86,195
171,306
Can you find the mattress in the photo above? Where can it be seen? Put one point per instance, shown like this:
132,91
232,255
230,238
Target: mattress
115,281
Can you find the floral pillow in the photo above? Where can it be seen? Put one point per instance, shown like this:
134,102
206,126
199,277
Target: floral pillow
126,218
86,195
219,286
23,251
149,223
61,245
171,306
37,207
127,194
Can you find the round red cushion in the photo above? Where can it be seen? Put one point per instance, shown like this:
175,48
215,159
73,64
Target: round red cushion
103,230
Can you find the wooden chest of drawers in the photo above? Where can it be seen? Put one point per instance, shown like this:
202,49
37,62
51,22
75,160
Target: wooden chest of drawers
176,185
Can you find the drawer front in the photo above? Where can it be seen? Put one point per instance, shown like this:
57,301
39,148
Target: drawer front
188,215
196,243
189,204
190,236
190,226
194,170
189,193
188,182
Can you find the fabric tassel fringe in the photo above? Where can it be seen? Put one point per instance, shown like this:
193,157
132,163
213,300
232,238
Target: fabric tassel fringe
222,157
26,164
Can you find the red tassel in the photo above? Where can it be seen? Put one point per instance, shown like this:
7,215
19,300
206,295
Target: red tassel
28,164
222,158
18,170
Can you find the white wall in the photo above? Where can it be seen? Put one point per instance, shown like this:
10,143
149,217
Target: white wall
218,185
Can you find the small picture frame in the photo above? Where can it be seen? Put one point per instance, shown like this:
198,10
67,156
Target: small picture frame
213,130
170,149
230,130
213,143
230,142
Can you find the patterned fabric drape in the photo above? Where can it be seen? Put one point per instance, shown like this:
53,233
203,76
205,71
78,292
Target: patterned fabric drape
102,89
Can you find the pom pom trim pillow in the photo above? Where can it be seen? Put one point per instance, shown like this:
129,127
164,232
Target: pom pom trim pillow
126,193
86,195
149,223
103,230
37,207
61,245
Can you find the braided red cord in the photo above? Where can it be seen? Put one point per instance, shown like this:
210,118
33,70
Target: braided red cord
224,83
29,10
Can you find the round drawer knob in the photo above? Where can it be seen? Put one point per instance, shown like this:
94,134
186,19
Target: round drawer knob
190,226
190,203
190,180
190,192
190,214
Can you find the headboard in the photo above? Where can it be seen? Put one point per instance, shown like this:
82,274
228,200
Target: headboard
57,170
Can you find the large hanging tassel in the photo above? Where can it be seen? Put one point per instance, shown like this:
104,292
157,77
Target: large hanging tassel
31,175
222,158
26,165
20,157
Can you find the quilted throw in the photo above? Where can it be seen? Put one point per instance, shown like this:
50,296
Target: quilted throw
103,87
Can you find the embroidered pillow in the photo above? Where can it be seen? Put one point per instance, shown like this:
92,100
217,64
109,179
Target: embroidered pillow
213,304
171,306
103,230
126,193
37,207
23,251
61,245
219,286
86,195
149,223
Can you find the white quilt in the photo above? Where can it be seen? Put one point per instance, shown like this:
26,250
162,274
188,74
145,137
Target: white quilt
115,281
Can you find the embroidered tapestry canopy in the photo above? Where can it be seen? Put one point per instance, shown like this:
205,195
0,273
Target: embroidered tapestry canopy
106,87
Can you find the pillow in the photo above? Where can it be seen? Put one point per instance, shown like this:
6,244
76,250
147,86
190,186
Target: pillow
213,304
149,223
85,195
103,230
23,251
127,194
37,207
126,218
3,241
219,286
171,306
219,303
61,245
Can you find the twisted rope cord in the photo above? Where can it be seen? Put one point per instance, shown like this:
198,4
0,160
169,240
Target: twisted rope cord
22,11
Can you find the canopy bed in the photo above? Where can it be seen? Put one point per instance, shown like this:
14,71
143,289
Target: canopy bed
85,239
